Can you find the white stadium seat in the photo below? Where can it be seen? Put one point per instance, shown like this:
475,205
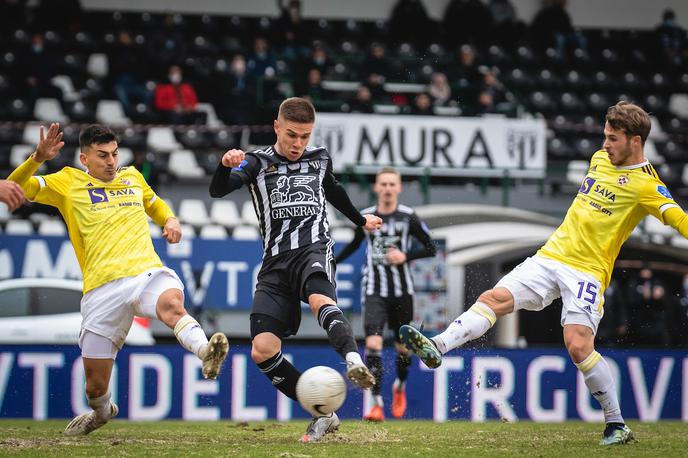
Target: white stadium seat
52,227
32,133
4,212
155,230
64,82
162,139
97,65
49,110
19,154
343,234
246,233
111,112
576,171
193,211
248,215
19,227
225,212
333,217
183,164
655,227
188,231
213,232
212,120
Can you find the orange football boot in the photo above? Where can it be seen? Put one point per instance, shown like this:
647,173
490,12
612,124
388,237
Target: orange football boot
398,402
375,414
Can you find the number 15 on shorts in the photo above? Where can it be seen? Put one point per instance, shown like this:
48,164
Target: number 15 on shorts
587,291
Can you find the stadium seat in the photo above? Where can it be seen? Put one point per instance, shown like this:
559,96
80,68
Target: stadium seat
193,211
246,233
183,165
678,104
49,110
32,133
225,212
19,227
651,153
684,175
213,232
111,112
248,215
126,156
576,170
211,117
97,65
188,232
162,139
64,82
679,241
81,112
19,154
654,227
333,217
52,227
342,234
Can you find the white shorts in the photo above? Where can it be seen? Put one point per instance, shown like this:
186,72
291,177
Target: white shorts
109,309
537,281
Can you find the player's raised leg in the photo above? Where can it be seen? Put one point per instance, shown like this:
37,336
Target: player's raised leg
163,297
579,341
98,358
470,325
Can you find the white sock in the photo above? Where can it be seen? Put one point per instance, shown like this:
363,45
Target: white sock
398,385
599,380
101,406
377,400
353,358
470,325
190,334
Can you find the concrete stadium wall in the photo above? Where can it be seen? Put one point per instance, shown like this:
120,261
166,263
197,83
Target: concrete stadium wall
637,14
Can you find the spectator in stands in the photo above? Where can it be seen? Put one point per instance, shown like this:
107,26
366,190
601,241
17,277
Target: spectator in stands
127,64
362,101
410,22
422,105
463,72
262,62
439,89
293,34
176,101
552,27
38,68
648,304
672,38
312,88
143,162
376,62
466,21
237,94
375,83
11,194
317,59
493,95
166,44
507,27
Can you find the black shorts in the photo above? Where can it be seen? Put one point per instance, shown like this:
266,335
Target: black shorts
282,279
395,311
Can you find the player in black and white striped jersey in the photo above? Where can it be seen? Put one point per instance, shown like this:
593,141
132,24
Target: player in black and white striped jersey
289,184
387,286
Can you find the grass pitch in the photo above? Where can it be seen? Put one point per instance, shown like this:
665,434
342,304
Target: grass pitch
393,438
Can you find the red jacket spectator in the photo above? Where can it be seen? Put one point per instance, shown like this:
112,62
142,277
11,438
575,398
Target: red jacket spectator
169,97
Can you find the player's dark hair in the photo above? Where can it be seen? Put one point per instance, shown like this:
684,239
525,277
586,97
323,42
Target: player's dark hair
95,134
296,109
629,118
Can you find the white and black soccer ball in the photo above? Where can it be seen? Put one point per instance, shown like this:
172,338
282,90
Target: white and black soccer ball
321,390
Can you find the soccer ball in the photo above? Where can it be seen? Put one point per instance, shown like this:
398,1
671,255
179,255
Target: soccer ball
321,390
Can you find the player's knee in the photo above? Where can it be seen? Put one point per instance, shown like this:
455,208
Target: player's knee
579,349
96,388
261,351
374,343
499,300
170,304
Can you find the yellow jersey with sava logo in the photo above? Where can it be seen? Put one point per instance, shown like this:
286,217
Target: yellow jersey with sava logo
609,205
107,222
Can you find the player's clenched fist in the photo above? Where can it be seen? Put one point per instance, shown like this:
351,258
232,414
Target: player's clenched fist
233,158
372,222
172,232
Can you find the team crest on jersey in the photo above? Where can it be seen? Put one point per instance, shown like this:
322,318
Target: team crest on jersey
623,179
271,169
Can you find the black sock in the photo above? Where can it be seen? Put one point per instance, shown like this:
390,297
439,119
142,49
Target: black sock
403,364
374,363
338,329
281,373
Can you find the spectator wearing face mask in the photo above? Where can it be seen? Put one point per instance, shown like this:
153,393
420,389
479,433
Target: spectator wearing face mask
176,101
39,67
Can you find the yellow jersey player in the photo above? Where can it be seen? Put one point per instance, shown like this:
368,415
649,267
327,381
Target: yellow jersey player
106,210
620,189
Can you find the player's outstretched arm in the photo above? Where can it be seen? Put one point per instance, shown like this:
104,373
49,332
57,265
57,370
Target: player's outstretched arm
337,196
48,147
234,170
172,232
677,218
349,249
